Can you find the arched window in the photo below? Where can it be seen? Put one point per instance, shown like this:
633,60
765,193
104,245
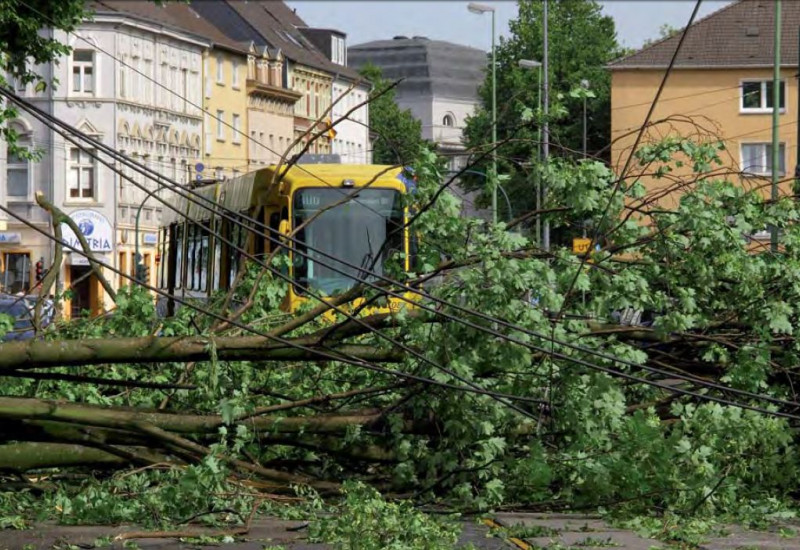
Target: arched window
448,120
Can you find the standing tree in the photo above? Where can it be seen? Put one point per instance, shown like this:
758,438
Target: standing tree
399,134
22,46
582,41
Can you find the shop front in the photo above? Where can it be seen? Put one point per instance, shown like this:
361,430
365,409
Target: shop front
85,293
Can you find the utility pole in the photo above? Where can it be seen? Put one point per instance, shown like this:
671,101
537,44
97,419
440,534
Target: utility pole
546,125
776,97
493,182
796,189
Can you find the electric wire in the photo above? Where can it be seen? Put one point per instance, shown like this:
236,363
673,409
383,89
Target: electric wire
286,343
628,161
515,327
588,350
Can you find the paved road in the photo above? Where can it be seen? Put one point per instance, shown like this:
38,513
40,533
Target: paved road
577,532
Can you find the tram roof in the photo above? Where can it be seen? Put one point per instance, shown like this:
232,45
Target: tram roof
253,188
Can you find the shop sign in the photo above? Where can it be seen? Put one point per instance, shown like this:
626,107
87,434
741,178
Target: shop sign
150,238
95,228
10,238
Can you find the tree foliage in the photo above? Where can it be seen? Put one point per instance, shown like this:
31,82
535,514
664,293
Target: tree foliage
577,409
398,135
23,46
582,41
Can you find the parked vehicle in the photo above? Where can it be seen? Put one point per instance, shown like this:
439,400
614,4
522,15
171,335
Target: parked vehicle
21,309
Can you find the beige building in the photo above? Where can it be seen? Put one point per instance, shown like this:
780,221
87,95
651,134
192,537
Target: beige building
720,88
270,107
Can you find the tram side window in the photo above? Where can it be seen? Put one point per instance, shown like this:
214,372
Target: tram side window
197,258
233,253
190,229
216,264
202,259
163,247
178,256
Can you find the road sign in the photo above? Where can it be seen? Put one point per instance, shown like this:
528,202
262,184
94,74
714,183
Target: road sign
199,167
581,245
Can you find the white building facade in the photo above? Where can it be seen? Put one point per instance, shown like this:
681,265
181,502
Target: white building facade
135,87
351,140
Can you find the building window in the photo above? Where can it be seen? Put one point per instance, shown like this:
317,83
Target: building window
235,75
757,96
83,71
17,274
220,128
236,122
338,50
448,120
757,159
220,71
81,174
17,175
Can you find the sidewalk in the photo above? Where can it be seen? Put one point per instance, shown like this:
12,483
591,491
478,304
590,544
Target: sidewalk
536,531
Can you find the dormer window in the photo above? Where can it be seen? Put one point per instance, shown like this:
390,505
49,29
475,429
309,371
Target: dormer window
338,54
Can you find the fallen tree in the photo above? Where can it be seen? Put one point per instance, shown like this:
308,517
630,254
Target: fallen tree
513,380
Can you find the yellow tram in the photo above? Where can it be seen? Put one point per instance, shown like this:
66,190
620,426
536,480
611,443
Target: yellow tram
355,213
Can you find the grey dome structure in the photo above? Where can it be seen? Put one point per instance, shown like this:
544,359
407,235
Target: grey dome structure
440,82
428,67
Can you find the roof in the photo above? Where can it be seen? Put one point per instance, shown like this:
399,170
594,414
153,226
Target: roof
234,24
278,27
740,34
176,15
427,67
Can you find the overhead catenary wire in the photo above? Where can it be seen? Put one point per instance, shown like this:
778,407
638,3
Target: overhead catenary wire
335,356
492,319
41,117
588,350
636,142
344,359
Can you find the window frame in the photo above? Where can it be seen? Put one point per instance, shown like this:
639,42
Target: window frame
763,108
236,122
767,159
23,164
235,74
220,70
81,166
82,66
220,127
28,281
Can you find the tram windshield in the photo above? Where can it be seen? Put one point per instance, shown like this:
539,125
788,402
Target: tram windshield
354,231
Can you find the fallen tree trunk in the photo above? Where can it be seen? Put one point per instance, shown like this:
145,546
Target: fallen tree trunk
19,408
25,456
34,354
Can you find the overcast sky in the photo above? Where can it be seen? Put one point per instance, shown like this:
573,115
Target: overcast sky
365,20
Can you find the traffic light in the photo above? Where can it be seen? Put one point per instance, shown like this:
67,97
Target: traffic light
141,270
40,270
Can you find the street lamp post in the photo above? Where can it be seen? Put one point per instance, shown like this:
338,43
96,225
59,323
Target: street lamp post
481,9
532,64
500,187
585,86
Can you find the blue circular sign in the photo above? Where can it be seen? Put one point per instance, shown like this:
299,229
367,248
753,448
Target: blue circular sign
86,227
199,167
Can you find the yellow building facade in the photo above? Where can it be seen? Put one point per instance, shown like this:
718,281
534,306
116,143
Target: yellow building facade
225,101
725,104
720,88
314,87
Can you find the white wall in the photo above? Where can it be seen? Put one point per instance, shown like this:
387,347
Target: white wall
352,135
